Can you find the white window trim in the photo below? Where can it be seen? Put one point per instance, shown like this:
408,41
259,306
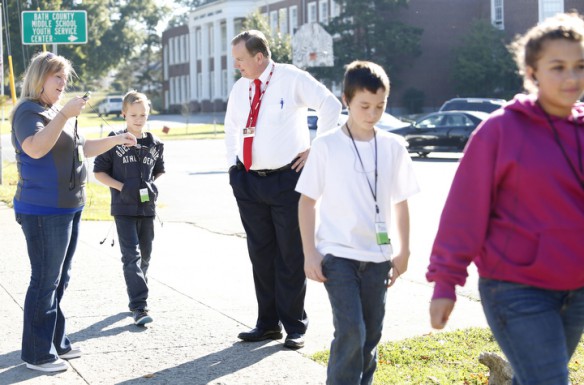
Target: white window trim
542,5
314,17
495,21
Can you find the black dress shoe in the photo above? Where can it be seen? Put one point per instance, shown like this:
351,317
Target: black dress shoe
294,341
258,334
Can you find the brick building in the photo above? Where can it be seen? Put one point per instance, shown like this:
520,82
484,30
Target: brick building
198,67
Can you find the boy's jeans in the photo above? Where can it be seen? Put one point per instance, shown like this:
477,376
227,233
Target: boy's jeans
357,292
51,241
537,329
135,235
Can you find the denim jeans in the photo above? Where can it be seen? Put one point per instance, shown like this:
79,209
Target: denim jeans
51,241
357,292
537,329
135,235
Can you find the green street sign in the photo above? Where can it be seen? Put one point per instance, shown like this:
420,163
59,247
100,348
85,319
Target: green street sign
54,27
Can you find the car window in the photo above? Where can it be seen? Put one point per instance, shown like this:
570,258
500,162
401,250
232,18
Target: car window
458,121
430,122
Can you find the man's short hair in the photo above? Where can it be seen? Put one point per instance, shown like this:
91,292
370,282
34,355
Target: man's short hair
255,41
364,75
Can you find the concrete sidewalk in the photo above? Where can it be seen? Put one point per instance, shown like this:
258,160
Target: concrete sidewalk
201,297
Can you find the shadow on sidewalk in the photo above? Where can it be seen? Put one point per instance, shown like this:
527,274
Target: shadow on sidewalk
96,330
19,373
213,366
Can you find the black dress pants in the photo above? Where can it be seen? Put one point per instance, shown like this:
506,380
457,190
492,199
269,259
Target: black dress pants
268,206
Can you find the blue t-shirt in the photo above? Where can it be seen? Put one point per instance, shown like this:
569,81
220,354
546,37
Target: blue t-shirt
55,183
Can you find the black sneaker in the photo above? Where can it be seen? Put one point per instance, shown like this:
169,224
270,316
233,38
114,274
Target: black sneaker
141,317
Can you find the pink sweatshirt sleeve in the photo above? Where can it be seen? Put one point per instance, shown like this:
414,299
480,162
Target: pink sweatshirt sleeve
465,216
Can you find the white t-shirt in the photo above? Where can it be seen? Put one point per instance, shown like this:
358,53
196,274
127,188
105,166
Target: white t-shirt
334,176
281,132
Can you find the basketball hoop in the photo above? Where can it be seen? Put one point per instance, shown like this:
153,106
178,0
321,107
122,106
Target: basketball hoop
312,46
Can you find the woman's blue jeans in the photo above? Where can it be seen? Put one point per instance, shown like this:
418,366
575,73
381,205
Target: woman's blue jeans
357,292
537,329
51,241
135,235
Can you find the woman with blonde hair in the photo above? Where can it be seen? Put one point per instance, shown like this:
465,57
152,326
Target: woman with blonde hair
50,195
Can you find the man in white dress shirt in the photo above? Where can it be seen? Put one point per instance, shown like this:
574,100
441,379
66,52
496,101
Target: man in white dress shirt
268,119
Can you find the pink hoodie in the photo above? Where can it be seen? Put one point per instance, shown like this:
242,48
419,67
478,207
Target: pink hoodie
515,207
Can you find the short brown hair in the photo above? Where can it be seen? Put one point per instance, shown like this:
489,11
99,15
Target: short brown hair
135,97
364,75
527,48
255,41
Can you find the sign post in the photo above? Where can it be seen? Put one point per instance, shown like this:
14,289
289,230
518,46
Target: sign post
54,27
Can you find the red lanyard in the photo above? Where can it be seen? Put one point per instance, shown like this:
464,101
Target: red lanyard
254,109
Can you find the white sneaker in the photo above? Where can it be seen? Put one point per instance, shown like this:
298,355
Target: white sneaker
56,366
75,352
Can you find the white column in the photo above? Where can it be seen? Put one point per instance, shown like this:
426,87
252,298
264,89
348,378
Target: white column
205,62
193,63
230,28
217,55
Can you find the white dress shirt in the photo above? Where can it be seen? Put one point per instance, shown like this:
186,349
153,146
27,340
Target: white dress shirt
281,129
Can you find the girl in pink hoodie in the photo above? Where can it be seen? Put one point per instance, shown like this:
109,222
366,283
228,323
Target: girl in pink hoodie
516,209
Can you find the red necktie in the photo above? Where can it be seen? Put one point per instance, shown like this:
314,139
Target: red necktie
251,122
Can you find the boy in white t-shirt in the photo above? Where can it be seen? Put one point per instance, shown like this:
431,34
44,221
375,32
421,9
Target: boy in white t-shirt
358,174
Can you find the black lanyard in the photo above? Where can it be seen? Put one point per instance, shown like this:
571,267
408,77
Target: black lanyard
372,189
559,142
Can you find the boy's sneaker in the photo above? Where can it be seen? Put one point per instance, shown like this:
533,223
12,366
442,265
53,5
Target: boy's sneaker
56,366
75,352
141,317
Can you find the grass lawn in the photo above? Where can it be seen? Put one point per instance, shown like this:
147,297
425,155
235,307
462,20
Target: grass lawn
90,124
448,358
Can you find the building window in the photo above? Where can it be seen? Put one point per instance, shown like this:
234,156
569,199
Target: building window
497,18
185,89
183,48
198,42
237,27
548,8
224,84
211,85
199,86
323,12
223,37
335,9
312,12
274,21
284,21
211,40
293,19
166,62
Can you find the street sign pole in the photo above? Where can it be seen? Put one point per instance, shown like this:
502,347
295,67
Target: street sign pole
54,27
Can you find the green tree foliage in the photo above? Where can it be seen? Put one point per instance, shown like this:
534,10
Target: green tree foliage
366,30
280,45
483,66
118,30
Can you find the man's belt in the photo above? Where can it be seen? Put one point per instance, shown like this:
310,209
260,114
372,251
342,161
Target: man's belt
266,172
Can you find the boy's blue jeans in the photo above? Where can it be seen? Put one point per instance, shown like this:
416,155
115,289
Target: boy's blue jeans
135,235
51,241
357,292
537,329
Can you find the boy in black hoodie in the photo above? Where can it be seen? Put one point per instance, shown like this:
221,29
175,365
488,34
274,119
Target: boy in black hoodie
130,173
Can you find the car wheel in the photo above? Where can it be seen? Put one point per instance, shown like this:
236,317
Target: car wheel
423,154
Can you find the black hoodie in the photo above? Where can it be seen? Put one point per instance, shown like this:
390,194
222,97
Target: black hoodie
135,167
